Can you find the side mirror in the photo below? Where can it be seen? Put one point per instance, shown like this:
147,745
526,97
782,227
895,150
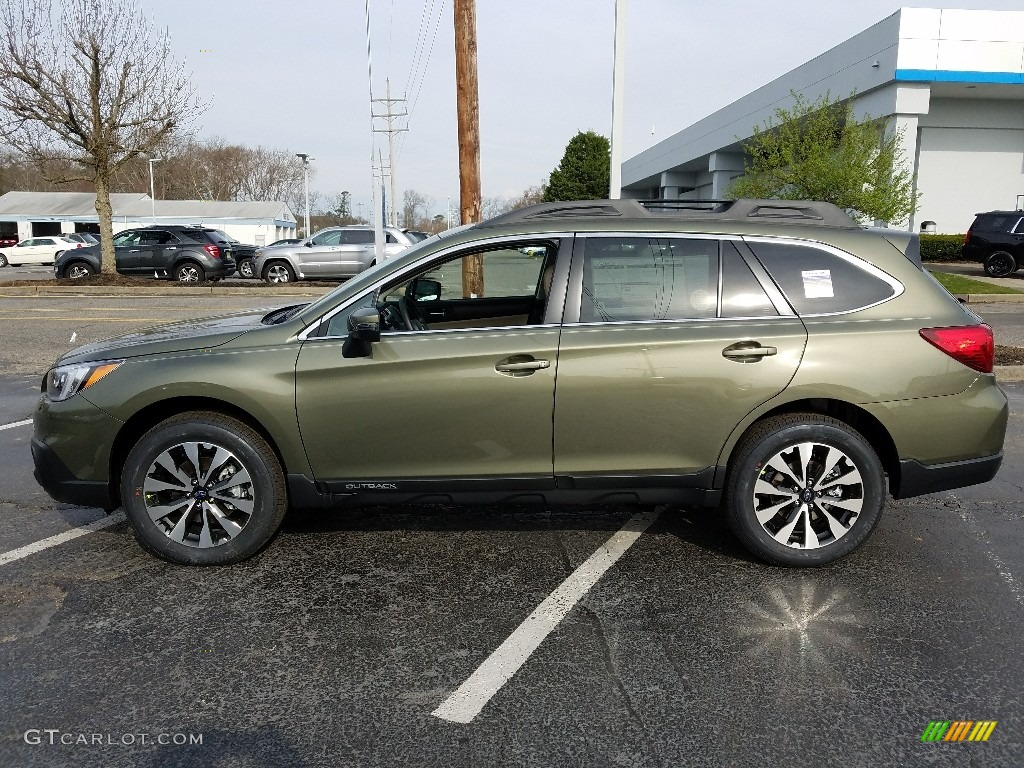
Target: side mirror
422,289
308,243
364,324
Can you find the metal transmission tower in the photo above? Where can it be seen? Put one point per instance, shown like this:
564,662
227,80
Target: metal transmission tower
389,117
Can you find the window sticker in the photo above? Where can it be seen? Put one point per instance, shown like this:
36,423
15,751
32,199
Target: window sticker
817,283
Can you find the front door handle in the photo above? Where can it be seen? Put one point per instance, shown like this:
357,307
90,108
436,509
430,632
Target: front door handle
748,351
520,365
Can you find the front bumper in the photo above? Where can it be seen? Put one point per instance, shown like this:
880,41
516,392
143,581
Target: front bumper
71,448
59,482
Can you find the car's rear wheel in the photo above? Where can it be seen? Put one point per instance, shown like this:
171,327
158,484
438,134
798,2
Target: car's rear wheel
78,269
1000,264
245,268
804,490
202,488
278,272
189,272
3,260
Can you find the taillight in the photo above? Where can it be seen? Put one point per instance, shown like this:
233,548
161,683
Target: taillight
967,237
972,345
213,250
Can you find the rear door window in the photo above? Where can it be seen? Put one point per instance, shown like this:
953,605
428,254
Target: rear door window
742,294
816,281
649,278
357,236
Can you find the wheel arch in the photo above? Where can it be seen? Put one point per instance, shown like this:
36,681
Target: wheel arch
852,415
147,418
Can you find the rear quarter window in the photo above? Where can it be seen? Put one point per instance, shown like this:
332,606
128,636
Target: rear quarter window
816,281
995,223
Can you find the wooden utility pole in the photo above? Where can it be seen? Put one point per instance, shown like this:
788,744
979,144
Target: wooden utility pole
468,107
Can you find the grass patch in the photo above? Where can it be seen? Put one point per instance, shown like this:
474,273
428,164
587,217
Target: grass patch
961,284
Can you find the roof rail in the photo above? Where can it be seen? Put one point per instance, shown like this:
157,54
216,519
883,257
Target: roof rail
790,211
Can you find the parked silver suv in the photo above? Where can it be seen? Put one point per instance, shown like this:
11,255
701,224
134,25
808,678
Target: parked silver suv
335,252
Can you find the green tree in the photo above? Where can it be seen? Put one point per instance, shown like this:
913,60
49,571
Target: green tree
584,171
821,151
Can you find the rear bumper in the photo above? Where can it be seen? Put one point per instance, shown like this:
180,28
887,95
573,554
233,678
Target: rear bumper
917,479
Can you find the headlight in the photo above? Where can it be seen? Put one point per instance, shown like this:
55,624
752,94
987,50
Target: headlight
67,380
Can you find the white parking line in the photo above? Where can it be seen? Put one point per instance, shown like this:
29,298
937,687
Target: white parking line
14,424
60,538
471,697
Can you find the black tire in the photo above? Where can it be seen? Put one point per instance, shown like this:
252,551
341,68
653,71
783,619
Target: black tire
189,272
790,444
245,269
3,261
78,269
1000,264
192,532
278,272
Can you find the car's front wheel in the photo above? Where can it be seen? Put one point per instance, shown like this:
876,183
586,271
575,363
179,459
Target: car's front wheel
245,268
3,260
202,488
278,272
189,272
78,269
1000,264
804,490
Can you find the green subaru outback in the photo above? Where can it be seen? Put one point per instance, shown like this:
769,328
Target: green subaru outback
772,359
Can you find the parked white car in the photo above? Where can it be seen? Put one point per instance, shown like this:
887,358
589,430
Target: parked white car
37,250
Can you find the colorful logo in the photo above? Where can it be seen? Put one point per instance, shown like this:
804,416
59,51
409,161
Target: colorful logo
958,730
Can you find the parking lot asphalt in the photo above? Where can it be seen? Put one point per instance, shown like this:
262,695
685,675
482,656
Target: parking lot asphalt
338,644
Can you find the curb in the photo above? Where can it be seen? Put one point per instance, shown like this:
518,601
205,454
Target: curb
1008,373
26,291
990,298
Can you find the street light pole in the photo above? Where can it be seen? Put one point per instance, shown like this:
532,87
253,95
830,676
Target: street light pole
618,86
152,192
305,178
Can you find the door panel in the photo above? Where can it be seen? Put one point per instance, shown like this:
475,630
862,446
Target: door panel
430,404
662,398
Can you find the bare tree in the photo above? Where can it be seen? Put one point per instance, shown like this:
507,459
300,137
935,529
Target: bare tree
414,208
94,88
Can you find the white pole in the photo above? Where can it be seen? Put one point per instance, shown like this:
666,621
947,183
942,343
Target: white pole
152,193
305,180
618,88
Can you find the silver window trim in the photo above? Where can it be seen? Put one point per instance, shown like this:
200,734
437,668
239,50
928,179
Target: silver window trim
442,254
1017,229
856,261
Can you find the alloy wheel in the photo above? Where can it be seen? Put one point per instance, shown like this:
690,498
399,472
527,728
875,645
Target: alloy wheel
808,495
199,494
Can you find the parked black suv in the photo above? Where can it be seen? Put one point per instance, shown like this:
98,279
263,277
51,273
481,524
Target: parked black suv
182,253
996,240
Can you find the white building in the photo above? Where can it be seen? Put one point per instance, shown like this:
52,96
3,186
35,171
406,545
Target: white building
35,214
953,80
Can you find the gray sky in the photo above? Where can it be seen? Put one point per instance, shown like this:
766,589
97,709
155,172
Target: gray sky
294,76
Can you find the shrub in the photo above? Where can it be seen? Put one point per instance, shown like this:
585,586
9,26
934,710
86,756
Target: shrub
941,247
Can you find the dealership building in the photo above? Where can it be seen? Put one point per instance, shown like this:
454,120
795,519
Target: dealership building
951,80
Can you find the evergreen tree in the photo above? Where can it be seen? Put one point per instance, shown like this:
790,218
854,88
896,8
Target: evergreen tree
584,171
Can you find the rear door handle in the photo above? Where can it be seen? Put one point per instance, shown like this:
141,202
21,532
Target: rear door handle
748,351
520,365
